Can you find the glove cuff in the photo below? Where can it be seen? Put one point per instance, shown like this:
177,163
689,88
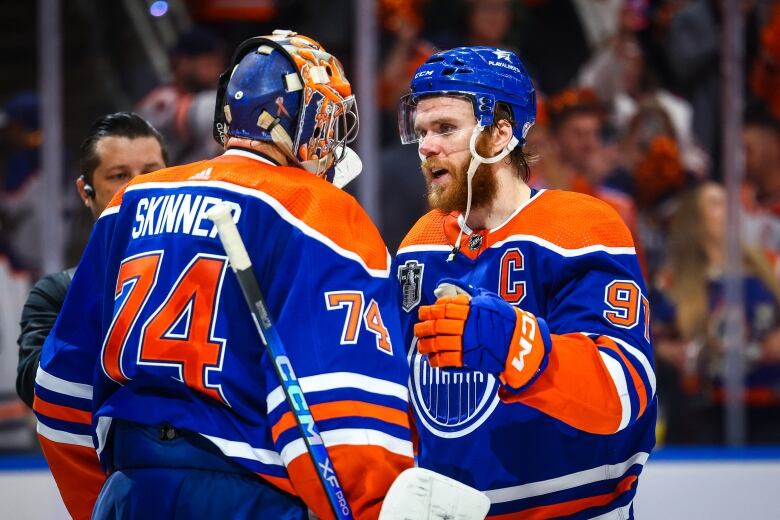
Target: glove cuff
528,352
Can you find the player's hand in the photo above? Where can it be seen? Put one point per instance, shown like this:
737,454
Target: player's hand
475,328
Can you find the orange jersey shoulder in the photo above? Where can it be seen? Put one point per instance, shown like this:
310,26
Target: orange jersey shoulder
314,202
429,229
570,220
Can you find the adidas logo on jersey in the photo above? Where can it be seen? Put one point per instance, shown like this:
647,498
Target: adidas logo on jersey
201,176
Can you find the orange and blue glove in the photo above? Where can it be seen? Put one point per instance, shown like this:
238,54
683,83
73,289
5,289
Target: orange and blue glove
477,329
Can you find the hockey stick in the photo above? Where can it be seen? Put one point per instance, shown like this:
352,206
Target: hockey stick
421,494
242,267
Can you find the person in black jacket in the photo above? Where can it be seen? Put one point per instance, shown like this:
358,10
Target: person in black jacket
117,148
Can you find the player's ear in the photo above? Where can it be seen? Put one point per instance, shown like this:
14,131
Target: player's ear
501,134
85,191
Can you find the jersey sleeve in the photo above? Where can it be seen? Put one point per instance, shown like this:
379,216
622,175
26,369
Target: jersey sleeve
63,383
600,376
339,323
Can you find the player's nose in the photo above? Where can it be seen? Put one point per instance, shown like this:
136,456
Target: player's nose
428,146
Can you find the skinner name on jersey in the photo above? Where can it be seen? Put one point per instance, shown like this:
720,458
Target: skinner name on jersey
180,213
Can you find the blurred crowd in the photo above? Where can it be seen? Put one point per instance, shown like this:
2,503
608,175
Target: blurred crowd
629,111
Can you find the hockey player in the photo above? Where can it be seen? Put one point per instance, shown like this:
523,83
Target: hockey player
155,366
524,311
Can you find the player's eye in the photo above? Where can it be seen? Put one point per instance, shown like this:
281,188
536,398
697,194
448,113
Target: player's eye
446,128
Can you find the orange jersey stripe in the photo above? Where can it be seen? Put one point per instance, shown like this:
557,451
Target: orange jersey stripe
337,409
571,507
63,413
78,475
365,489
553,216
575,388
313,201
639,384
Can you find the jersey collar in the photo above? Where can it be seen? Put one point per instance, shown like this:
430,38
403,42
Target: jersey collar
251,154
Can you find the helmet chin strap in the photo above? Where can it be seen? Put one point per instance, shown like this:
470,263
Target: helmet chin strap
476,160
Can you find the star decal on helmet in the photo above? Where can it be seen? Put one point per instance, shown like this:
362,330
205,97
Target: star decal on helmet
502,55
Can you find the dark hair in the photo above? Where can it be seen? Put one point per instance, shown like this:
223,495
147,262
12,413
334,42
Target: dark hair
517,157
758,114
119,124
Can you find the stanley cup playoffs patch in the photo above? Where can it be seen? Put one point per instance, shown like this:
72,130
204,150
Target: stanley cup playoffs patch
410,275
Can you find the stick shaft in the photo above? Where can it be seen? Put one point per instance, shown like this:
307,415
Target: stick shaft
242,267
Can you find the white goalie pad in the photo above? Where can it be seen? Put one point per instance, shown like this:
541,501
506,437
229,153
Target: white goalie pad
421,494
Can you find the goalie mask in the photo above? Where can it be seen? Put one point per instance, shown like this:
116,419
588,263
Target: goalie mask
287,90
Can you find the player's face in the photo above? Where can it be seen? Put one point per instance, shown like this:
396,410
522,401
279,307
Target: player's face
445,125
121,159
761,152
579,139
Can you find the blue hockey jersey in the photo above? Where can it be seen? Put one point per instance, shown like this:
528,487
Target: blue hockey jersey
573,443
155,330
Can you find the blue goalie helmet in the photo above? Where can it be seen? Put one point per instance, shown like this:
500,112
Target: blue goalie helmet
286,89
485,75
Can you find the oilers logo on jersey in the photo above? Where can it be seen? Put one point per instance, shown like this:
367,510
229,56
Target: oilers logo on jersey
450,403
410,275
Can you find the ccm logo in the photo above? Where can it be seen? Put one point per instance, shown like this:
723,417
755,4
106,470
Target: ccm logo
527,337
423,74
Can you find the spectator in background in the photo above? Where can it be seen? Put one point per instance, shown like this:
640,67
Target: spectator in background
623,79
183,111
561,35
693,46
577,125
761,191
20,224
20,179
688,314
650,170
761,137
117,148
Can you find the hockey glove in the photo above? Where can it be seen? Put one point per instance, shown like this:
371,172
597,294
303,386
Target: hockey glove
475,328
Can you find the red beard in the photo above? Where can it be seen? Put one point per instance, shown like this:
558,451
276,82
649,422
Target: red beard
453,195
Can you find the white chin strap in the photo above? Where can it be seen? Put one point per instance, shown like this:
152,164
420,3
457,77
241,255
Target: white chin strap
476,160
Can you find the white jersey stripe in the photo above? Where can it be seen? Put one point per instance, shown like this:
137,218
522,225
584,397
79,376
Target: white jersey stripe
277,206
63,437
109,211
61,386
243,450
564,482
621,385
338,380
639,355
352,437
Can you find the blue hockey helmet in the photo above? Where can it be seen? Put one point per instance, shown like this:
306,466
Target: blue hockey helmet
485,75
286,89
